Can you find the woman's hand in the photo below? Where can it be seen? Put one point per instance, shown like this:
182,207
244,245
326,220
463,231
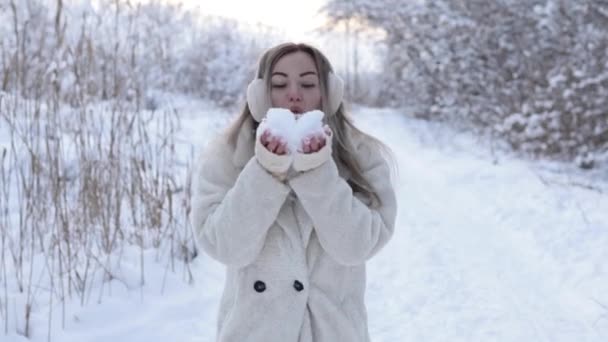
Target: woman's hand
315,150
315,142
272,152
274,144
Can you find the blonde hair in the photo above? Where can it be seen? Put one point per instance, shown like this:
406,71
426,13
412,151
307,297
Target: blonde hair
340,122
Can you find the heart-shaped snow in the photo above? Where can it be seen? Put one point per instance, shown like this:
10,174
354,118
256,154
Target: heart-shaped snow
282,122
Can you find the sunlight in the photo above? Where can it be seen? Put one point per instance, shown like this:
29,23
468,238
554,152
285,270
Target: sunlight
295,19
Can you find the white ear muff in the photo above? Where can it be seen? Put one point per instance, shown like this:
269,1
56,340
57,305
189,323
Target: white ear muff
335,92
257,99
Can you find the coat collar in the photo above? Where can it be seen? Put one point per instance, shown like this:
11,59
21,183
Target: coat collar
244,151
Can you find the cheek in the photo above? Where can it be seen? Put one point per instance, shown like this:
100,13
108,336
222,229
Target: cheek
315,99
276,98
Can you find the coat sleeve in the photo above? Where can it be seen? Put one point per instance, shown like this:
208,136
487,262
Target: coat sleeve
349,230
233,208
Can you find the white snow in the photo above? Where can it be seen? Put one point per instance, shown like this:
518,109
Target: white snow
487,247
293,128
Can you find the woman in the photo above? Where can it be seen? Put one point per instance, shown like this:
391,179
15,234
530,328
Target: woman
294,228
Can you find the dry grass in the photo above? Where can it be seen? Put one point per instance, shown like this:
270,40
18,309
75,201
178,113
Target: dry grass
81,184
88,163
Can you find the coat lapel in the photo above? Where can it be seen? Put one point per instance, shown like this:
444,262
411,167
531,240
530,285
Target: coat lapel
304,221
287,220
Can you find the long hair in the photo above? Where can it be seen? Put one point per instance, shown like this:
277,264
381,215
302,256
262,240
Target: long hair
340,122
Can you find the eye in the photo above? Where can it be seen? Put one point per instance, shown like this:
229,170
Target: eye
308,85
278,86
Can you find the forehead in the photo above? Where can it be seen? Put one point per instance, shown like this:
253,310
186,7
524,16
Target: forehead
295,62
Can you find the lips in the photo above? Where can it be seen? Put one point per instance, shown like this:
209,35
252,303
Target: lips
296,110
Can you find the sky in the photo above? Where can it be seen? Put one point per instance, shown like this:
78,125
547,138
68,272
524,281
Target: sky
296,18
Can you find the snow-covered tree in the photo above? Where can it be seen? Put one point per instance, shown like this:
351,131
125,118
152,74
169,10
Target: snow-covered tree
534,71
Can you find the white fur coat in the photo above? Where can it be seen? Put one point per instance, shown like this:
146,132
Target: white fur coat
295,251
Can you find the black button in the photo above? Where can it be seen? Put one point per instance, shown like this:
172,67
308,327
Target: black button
298,286
259,286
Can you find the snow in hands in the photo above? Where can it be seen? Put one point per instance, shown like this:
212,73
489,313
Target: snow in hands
292,128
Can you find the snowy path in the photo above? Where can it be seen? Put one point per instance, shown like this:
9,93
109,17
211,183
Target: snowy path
482,252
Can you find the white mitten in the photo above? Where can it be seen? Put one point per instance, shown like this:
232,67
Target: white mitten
308,161
274,163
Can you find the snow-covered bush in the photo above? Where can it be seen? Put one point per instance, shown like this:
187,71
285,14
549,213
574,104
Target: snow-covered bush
108,49
535,71
78,186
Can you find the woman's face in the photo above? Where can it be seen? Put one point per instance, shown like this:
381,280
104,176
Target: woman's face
294,83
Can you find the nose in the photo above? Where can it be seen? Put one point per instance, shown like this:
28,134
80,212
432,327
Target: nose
293,93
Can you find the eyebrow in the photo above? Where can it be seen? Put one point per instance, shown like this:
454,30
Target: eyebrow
301,75
308,73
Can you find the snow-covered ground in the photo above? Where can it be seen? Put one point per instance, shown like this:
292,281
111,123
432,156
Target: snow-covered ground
488,247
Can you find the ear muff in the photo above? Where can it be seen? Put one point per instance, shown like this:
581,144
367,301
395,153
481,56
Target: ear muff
259,102
258,99
335,91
